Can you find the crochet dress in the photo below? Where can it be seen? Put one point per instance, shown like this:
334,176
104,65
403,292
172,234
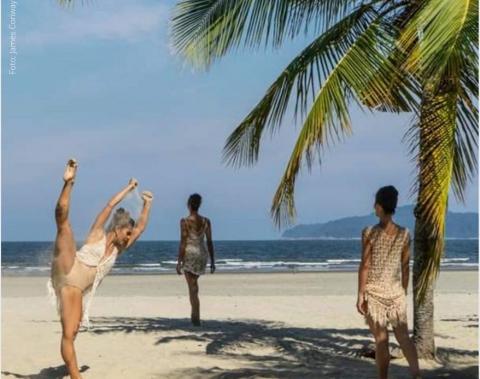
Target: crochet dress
88,271
384,293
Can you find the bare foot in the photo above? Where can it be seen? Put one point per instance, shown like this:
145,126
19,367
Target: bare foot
70,171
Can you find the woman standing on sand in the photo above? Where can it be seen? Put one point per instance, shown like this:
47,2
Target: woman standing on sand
77,273
383,282
192,254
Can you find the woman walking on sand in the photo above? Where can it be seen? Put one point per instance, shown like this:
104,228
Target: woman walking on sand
192,255
383,282
78,273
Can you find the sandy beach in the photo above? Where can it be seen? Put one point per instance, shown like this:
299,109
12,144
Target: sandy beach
290,325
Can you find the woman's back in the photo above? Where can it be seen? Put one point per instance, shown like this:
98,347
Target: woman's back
196,229
383,282
385,273
196,254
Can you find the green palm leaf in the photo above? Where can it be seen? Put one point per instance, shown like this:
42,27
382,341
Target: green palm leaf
303,73
363,67
465,162
444,59
394,23
203,30
439,27
436,146
446,141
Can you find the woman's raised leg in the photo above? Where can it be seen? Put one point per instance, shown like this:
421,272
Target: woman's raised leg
65,247
192,281
71,315
63,259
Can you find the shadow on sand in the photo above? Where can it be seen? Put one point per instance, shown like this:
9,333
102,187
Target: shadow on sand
58,372
270,350
286,352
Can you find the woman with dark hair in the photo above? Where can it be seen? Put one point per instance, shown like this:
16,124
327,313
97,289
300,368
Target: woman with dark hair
192,254
76,274
383,282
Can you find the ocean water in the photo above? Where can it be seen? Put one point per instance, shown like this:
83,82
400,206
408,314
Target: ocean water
158,257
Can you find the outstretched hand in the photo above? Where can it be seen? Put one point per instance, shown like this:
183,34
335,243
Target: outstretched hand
132,183
147,196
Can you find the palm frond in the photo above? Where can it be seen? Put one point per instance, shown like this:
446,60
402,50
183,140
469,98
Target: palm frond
446,141
444,59
394,22
311,66
362,67
465,162
436,147
465,165
438,27
398,99
440,57
204,30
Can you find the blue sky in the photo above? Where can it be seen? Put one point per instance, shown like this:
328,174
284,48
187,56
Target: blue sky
100,83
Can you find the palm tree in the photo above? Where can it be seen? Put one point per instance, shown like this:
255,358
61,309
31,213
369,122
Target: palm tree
416,56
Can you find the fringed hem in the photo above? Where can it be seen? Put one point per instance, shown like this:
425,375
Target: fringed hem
52,296
386,311
194,269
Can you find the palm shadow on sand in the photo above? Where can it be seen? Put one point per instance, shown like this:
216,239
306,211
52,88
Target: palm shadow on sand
286,352
58,372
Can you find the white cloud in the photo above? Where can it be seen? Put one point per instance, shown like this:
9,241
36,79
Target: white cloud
111,21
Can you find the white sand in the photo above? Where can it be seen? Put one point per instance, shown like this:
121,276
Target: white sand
256,326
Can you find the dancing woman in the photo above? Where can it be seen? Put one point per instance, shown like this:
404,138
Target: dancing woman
383,282
192,255
75,273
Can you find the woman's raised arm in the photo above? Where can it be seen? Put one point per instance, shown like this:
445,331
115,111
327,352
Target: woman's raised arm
141,224
97,229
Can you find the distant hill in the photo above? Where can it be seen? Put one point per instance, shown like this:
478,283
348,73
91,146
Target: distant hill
459,225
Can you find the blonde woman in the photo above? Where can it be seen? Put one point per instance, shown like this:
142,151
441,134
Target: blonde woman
75,273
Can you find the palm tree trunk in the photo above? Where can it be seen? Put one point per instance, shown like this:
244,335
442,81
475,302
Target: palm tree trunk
423,332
